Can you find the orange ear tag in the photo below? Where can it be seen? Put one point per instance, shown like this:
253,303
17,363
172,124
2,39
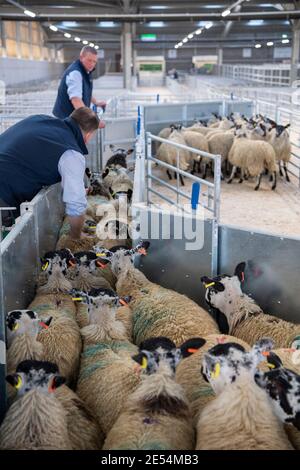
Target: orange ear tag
42,324
192,350
266,353
123,302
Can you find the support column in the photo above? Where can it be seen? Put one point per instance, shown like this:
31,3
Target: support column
295,52
220,61
127,55
3,39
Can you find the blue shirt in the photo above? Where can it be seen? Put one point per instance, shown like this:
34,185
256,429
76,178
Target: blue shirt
71,167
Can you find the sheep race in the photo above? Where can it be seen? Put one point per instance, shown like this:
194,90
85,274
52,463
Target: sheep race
115,351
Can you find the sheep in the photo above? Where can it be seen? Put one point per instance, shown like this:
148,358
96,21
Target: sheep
36,420
107,373
23,328
88,311
240,417
88,272
118,159
197,390
96,185
280,140
168,154
220,144
157,414
198,142
255,157
165,134
245,318
158,311
282,386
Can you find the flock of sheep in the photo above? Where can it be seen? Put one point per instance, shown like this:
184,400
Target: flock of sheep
252,146
103,358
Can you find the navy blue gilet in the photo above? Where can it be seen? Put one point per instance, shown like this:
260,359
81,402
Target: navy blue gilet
29,155
63,106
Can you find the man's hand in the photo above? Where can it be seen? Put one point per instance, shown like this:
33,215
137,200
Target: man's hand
101,104
101,125
76,224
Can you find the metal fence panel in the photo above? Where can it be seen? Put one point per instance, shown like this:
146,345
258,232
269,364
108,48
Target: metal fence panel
242,107
168,264
273,274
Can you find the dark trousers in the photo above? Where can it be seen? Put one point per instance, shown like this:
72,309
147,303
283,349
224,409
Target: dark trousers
8,217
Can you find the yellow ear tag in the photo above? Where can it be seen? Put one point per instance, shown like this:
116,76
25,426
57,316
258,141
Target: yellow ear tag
76,299
45,266
271,366
215,374
16,326
19,383
209,285
100,255
144,363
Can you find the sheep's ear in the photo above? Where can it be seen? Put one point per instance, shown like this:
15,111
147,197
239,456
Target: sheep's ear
105,173
240,271
288,125
88,172
48,321
191,346
112,147
129,151
12,379
59,381
141,359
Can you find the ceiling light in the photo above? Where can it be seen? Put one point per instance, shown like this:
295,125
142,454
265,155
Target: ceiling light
190,36
158,7
185,40
257,46
96,47
156,24
107,24
85,42
176,47
208,25
91,44
29,13
226,13
53,28
180,44
199,31
77,39
285,41
67,35
270,43
284,35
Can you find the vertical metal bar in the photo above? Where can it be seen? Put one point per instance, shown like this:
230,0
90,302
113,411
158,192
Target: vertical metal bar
216,219
149,168
3,403
100,145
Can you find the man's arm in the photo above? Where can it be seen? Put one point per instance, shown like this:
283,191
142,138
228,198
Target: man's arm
98,103
71,167
74,85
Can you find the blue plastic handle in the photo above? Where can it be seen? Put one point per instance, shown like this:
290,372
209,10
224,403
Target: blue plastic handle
195,195
95,108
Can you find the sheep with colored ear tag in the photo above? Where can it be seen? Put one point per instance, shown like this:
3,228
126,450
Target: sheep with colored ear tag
245,318
36,420
282,386
240,417
157,414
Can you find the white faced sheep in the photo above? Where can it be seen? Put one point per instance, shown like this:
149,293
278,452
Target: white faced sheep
279,138
282,386
197,390
23,329
245,318
171,155
240,417
107,373
255,157
220,144
199,142
157,414
36,420
158,311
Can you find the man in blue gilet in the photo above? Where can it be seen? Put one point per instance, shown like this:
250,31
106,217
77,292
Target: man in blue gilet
40,151
76,86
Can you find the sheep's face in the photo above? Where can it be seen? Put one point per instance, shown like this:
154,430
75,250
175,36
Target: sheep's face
35,375
224,363
162,352
20,322
89,260
59,260
281,132
222,292
283,388
99,298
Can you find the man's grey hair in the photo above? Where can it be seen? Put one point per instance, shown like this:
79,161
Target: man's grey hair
87,49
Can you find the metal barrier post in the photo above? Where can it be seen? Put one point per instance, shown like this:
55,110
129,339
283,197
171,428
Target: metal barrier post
3,403
149,166
216,219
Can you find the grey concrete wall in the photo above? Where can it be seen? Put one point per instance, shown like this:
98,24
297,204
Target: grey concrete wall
17,72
